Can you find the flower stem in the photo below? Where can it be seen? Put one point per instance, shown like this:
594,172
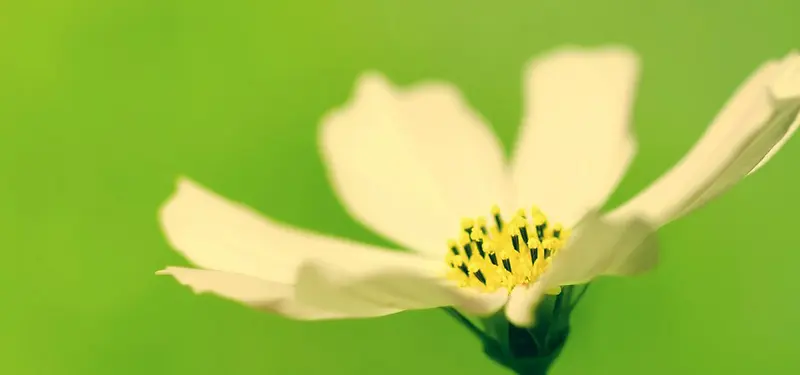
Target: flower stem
466,323
578,298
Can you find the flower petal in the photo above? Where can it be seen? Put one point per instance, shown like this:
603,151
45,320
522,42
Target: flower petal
604,245
751,126
215,233
522,303
410,163
400,285
600,246
262,294
575,143
785,87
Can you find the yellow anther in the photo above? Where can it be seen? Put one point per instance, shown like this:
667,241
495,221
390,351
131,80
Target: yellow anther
480,222
510,224
452,246
557,231
509,253
473,266
476,235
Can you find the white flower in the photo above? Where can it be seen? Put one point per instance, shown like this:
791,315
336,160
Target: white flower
411,163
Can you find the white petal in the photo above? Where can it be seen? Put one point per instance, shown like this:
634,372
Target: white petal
522,304
262,294
750,125
785,88
575,143
218,234
396,284
603,245
600,246
410,163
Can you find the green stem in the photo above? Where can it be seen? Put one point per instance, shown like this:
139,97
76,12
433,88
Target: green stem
573,304
466,323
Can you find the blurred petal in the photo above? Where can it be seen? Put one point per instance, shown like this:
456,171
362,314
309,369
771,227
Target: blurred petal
261,294
398,285
217,234
751,126
600,246
785,88
522,304
409,163
605,246
575,143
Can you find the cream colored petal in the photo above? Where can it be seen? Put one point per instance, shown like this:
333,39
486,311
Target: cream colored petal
603,245
262,294
215,233
752,123
785,87
600,246
263,258
393,284
576,140
779,145
522,303
410,163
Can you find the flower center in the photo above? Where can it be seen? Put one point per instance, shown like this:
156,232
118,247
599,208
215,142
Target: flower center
505,254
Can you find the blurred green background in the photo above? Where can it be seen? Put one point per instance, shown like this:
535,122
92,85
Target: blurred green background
104,102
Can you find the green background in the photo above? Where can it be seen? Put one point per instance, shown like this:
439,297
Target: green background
103,103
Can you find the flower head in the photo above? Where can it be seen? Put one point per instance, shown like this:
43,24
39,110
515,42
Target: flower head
412,163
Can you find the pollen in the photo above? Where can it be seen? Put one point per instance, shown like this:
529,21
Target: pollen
490,254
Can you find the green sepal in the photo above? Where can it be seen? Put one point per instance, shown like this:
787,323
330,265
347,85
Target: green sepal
524,365
531,351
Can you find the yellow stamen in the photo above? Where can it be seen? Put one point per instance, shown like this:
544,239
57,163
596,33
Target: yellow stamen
467,223
506,253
